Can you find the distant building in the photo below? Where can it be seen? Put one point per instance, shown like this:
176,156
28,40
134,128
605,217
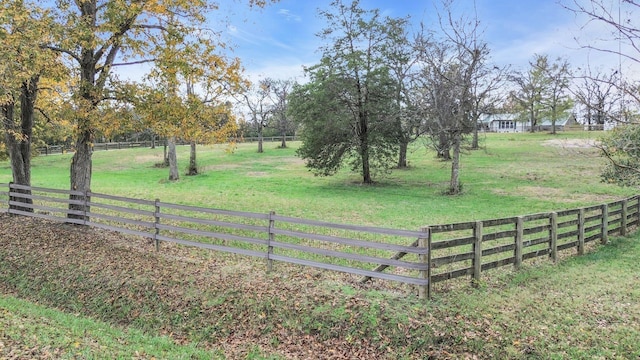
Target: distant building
567,122
502,123
511,123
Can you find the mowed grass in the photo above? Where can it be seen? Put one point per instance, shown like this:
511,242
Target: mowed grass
581,308
513,174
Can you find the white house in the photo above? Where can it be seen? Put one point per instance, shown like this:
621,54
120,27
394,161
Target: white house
509,123
502,123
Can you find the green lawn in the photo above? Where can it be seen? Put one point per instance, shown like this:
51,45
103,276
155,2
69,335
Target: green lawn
514,174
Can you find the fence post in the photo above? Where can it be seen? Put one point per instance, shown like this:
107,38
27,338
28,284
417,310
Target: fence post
604,237
519,235
85,205
638,211
424,242
637,197
581,232
269,240
477,252
156,216
9,198
623,218
553,236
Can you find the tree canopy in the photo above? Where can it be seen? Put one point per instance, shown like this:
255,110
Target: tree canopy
96,36
345,109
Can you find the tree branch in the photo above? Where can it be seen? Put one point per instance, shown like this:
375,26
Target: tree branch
61,50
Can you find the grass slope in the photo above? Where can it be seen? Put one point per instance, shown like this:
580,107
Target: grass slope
30,331
208,307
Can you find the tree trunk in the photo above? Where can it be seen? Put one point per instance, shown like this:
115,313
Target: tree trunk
402,156
153,141
364,149
88,99
444,147
173,159
165,156
193,166
366,170
475,144
454,185
283,143
18,146
532,119
18,140
21,152
260,149
80,175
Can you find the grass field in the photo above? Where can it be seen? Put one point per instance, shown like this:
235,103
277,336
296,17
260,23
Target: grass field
183,304
514,174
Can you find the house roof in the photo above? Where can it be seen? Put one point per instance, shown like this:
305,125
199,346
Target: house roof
489,118
561,121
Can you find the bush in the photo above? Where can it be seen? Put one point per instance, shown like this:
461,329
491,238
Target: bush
621,147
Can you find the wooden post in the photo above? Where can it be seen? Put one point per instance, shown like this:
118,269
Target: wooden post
9,198
156,215
604,237
477,252
638,211
429,262
623,218
581,232
553,236
269,240
85,204
519,235
424,242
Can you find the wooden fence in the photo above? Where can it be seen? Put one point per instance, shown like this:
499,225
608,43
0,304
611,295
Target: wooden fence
61,149
433,254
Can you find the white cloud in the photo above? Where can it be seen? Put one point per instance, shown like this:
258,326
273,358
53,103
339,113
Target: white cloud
289,16
284,68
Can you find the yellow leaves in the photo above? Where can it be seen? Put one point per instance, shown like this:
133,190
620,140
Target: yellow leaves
17,136
155,6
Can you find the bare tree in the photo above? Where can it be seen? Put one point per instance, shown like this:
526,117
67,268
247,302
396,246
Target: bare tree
278,90
485,96
621,19
453,65
256,99
624,40
620,147
596,94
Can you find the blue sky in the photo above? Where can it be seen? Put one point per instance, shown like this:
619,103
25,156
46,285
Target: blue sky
278,40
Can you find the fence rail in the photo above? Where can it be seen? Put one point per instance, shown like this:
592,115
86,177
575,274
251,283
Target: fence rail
432,254
61,149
